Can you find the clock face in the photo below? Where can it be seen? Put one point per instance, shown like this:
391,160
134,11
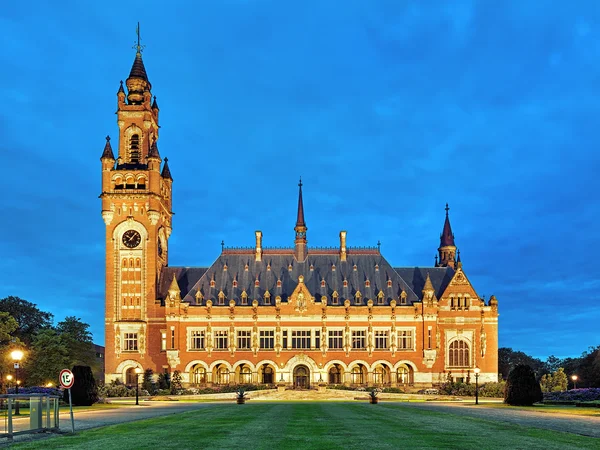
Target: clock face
131,238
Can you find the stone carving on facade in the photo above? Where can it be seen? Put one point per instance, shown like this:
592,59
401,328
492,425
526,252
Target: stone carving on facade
173,358
483,340
429,357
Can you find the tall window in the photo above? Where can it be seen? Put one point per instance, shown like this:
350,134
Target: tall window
267,339
222,375
300,338
458,354
221,341
199,375
130,342
197,340
335,375
317,338
245,374
359,339
405,340
172,338
163,341
403,375
243,339
357,375
381,340
134,149
336,339
267,374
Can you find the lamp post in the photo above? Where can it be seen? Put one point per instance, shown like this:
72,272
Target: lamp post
138,371
17,356
574,378
477,370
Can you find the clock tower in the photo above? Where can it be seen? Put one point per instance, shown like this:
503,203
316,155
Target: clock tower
136,208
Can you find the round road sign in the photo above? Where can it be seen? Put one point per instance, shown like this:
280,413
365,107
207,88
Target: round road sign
66,378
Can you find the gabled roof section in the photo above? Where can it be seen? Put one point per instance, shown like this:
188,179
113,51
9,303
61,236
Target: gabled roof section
416,277
258,277
185,276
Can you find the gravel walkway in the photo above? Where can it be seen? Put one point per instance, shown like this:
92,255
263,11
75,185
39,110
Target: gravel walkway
584,425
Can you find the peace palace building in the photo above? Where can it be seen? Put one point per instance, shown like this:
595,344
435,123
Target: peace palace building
298,316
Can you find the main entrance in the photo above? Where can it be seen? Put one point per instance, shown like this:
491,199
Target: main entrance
301,377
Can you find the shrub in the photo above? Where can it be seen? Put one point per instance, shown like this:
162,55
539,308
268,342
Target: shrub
176,382
393,390
115,389
459,389
148,383
574,395
164,381
556,382
84,391
522,389
493,390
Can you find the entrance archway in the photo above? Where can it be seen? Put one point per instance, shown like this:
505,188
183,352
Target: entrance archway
301,377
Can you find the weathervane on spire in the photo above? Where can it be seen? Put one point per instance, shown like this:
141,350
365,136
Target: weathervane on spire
300,183
139,48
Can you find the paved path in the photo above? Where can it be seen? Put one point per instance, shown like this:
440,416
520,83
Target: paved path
584,425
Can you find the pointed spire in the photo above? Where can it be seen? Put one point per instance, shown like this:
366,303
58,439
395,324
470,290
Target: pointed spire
428,286
154,104
300,217
458,261
121,90
153,153
108,153
447,237
174,290
166,173
436,261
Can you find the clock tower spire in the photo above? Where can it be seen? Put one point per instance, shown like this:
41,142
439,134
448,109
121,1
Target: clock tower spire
136,208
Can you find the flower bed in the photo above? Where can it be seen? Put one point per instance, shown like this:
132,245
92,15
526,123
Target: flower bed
573,395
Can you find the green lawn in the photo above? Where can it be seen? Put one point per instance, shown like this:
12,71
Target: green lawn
316,425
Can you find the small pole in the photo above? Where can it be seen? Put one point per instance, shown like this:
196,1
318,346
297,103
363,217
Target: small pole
71,410
477,389
10,419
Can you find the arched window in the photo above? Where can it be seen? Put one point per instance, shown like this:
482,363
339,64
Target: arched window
199,375
267,374
131,377
458,354
335,375
245,375
379,375
403,375
223,375
134,149
357,375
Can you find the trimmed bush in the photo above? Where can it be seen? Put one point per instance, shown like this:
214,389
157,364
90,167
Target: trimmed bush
84,391
522,389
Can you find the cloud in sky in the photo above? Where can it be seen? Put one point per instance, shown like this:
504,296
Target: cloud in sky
387,109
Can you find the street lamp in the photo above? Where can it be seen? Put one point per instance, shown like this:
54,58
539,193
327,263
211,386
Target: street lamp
138,371
477,370
574,378
17,356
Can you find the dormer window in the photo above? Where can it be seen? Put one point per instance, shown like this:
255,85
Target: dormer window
199,297
334,298
357,297
225,268
279,283
389,283
322,283
267,298
367,283
355,267
134,149
312,268
345,283
221,298
212,283
333,267
234,283
246,267
403,298
376,267
380,298
256,283
244,297
268,267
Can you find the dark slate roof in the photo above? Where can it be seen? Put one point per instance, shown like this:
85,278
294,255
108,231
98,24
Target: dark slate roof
137,69
416,276
107,153
166,173
185,276
447,238
277,266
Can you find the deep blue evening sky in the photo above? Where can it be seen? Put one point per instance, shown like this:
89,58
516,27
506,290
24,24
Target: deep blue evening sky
388,110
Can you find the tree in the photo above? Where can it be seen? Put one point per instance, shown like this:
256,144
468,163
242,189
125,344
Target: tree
176,382
8,325
28,316
164,380
555,382
77,337
48,355
508,359
84,391
148,383
522,388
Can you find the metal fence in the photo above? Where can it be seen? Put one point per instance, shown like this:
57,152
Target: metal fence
28,413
